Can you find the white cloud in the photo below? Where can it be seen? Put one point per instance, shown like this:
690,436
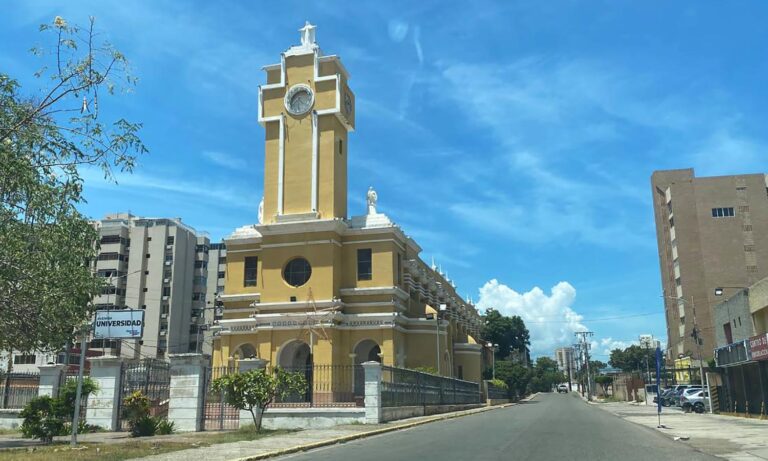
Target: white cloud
225,160
417,44
549,317
606,345
154,185
397,30
744,155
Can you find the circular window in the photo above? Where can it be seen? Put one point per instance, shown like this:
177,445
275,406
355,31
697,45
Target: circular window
297,272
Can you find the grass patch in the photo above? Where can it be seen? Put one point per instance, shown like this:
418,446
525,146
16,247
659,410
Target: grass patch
85,451
10,432
243,434
90,451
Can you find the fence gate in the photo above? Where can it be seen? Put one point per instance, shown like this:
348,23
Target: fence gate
153,378
218,415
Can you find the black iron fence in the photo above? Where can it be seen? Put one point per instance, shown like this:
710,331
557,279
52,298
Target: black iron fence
496,392
153,378
327,386
217,414
403,387
16,389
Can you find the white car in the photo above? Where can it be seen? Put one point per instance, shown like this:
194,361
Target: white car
563,388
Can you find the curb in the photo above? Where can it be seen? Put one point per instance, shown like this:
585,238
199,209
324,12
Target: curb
360,435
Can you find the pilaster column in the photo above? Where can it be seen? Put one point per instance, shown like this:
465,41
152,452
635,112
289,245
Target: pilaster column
243,366
104,405
50,380
372,392
187,396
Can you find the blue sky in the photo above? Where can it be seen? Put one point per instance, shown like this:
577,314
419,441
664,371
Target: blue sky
514,140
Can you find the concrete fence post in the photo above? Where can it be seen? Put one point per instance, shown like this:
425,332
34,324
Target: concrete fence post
50,380
104,405
187,391
372,392
244,365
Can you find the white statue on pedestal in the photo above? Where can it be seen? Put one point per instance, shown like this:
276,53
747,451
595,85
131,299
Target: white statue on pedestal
307,35
261,211
372,198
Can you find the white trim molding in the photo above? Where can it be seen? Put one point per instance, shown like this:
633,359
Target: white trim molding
395,291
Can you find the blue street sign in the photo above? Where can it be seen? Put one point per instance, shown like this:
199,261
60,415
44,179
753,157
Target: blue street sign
658,380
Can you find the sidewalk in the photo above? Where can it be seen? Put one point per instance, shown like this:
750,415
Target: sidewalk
728,437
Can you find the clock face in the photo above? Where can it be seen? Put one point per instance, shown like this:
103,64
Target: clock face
299,99
347,103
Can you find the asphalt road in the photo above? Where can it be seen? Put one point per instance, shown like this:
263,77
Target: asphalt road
550,427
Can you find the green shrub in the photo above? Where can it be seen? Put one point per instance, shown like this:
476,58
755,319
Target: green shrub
145,426
46,417
430,370
165,427
43,418
136,411
499,383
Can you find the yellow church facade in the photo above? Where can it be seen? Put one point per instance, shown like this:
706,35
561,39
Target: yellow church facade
309,285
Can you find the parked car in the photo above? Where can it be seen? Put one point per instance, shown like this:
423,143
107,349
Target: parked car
685,393
664,396
697,401
562,389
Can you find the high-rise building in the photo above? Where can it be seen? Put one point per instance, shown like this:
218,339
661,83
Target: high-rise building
565,358
217,264
712,233
157,265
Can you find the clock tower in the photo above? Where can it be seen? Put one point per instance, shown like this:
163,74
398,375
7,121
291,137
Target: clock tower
307,110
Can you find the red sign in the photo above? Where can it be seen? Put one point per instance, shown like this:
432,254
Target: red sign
758,347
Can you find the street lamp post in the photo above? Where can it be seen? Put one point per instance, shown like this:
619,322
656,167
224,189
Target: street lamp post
493,360
436,318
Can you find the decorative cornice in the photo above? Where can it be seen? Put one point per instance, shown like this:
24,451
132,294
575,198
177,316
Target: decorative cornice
313,225
240,297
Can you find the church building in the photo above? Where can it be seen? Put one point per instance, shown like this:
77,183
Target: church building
310,285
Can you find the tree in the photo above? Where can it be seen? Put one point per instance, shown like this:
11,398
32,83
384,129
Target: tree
46,417
510,333
604,381
515,375
46,282
630,359
255,390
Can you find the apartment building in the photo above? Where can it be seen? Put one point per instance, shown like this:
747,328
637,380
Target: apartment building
161,266
212,310
158,265
712,236
565,358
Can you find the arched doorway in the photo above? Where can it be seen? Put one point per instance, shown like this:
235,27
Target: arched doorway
296,356
366,350
244,351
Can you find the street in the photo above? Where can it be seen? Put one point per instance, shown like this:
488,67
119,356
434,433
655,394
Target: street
550,427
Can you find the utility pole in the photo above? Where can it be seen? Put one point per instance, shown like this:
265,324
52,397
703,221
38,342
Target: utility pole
577,352
583,335
695,334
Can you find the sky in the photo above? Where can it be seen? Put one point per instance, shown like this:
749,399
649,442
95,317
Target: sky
514,140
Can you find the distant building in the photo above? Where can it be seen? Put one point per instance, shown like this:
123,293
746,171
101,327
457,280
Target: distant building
711,233
565,358
159,265
217,264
